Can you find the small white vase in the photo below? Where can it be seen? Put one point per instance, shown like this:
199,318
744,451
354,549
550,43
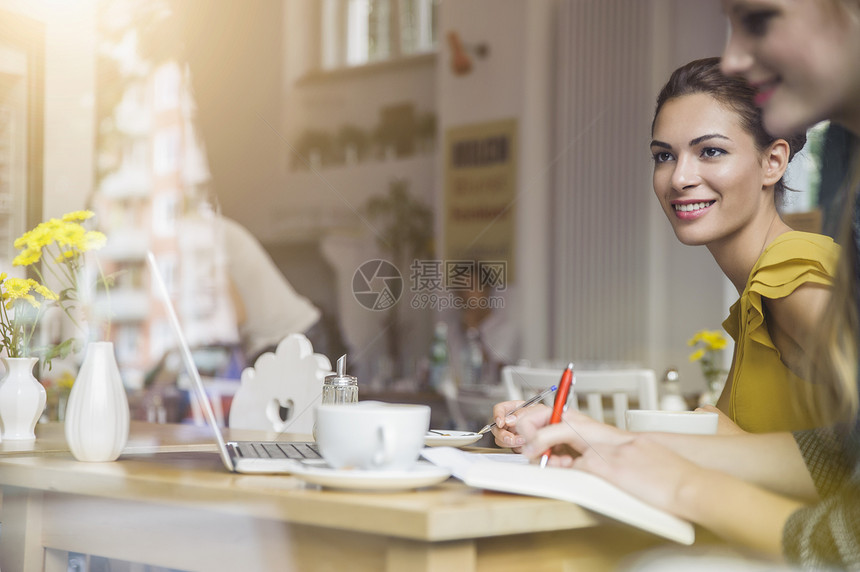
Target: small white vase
22,399
97,414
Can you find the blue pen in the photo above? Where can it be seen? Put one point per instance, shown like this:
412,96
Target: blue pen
531,401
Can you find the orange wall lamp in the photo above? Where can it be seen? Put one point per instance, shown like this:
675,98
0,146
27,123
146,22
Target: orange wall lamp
462,54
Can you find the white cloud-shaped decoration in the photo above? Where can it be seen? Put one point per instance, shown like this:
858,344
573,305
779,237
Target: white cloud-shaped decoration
282,390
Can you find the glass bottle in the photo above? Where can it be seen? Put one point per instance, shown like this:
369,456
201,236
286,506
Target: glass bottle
340,387
473,358
439,366
671,398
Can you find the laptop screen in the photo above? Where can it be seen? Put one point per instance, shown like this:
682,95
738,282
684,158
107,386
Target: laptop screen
188,360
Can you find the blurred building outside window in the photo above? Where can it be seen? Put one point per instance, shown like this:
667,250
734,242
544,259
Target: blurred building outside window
164,213
359,32
167,87
166,148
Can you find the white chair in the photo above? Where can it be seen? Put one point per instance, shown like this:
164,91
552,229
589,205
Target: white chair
282,390
590,387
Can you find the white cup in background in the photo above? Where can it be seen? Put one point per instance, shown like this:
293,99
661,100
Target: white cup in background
698,422
371,435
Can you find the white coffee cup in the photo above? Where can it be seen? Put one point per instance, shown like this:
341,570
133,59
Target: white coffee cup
697,422
371,435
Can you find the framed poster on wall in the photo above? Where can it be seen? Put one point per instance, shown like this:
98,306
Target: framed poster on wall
22,57
480,193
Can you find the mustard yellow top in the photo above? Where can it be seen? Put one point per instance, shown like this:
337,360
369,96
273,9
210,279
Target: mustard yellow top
760,398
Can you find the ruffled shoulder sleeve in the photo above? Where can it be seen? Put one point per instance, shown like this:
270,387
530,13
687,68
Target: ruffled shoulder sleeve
793,259
731,324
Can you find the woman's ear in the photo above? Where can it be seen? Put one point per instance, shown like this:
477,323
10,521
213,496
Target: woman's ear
775,161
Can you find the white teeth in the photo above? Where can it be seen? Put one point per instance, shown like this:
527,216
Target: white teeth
692,206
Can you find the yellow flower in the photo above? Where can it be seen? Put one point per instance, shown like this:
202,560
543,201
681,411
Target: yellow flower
66,256
77,216
708,347
66,380
36,238
93,240
696,338
70,234
61,241
2,276
712,339
44,291
28,257
19,289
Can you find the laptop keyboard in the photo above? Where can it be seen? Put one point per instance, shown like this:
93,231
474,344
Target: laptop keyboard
274,450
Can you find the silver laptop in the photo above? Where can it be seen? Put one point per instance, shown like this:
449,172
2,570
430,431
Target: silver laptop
238,456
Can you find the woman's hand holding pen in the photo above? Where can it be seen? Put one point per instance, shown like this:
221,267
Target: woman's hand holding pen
576,432
632,461
506,418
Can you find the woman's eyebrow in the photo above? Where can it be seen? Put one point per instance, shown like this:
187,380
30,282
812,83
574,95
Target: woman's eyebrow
656,143
697,140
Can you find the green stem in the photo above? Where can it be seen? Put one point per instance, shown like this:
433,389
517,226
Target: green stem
6,330
51,266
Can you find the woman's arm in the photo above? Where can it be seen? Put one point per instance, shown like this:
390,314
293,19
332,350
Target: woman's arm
822,535
769,460
725,425
793,321
772,461
731,508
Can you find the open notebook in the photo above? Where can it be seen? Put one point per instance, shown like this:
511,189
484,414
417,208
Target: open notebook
238,456
513,474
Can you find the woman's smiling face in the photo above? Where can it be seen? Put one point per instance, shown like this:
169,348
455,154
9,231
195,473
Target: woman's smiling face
708,174
801,56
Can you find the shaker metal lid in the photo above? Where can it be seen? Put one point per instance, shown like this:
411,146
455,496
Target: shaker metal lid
340,378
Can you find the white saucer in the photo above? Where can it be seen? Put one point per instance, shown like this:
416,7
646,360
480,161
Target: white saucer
451,438
423,474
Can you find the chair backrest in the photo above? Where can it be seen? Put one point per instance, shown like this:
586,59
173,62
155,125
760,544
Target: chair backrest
282,389
590,387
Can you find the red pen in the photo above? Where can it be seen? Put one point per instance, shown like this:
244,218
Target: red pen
559,403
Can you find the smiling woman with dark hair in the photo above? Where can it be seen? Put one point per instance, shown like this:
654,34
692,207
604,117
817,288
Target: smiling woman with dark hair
718,175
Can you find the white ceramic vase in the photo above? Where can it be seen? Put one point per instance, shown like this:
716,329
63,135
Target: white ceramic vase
22,399
97,414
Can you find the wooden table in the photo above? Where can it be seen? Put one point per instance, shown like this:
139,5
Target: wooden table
168,501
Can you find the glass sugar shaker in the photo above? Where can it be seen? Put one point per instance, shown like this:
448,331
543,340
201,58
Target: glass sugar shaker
671,398
340,387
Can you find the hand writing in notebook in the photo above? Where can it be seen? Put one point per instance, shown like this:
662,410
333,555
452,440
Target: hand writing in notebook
635,462
575,430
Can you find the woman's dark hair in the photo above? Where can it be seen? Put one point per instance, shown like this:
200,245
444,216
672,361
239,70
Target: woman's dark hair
704,76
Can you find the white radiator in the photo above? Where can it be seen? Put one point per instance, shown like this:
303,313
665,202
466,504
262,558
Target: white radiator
602,181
